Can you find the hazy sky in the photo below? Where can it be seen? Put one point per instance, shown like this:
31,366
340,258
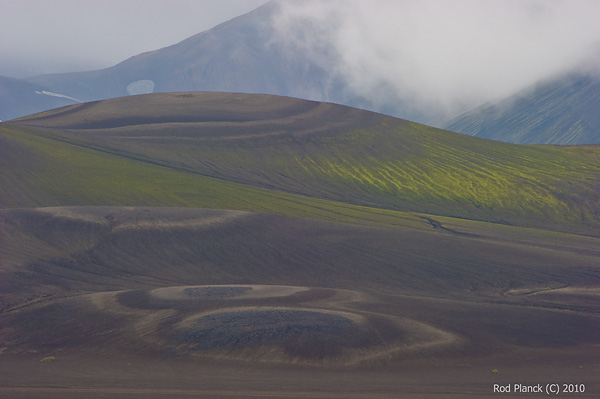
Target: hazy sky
46,36
447,54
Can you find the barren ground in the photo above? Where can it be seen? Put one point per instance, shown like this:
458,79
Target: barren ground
167,303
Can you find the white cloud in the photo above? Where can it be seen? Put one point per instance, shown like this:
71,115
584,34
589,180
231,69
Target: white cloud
446,55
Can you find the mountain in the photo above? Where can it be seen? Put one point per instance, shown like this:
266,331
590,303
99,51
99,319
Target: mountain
239,55
245,245
245,54
563,110
19,98
248,54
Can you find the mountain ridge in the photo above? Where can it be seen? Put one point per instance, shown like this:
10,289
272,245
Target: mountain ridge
562,110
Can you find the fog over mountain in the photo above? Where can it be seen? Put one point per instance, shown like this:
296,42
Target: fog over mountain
427,61
443,57
561,110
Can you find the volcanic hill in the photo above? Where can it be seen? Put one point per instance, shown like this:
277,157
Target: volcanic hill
322,150
238,245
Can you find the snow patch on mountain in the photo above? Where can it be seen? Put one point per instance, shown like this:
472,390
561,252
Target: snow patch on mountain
49,93
144,86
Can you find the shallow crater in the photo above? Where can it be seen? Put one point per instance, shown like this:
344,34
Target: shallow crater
303,333
200,292
211,291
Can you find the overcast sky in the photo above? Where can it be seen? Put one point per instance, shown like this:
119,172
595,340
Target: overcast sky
47,36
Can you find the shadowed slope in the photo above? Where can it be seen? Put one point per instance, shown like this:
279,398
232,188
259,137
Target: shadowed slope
100,248
564,110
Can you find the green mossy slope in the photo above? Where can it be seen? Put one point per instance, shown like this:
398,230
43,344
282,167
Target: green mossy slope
41,172
342,154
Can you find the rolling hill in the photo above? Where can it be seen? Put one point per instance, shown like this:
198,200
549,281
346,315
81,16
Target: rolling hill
235,245
333,152
564,110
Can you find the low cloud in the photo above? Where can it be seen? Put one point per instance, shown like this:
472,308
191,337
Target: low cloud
443,56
